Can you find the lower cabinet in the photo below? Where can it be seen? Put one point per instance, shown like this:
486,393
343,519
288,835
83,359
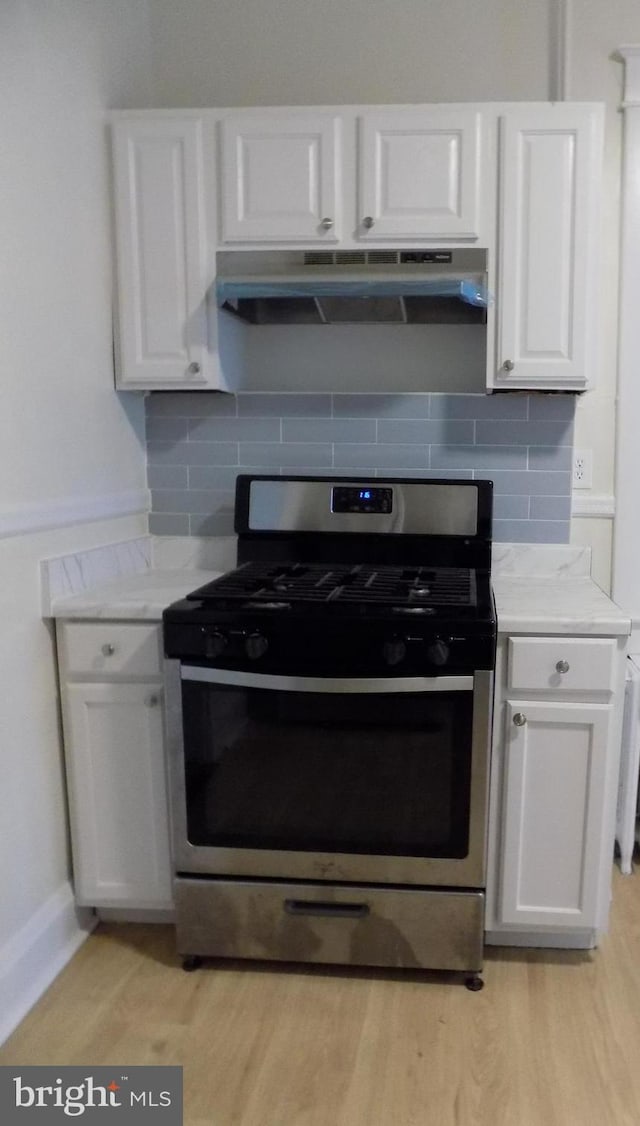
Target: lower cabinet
553,790
554,777
114,749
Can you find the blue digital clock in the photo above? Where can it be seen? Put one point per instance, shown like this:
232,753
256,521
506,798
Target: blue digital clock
369,499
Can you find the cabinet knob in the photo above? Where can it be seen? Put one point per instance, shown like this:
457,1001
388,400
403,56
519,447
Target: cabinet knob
562,666
194,368
108,650
368,222
153,701
326,224
519,719
508,365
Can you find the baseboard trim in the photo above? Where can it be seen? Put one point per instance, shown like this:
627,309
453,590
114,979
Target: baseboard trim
161,915
33,958
72,510
556,940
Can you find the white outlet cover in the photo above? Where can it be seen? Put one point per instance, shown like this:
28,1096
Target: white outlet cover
582,476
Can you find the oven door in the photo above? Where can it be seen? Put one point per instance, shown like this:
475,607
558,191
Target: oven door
375,780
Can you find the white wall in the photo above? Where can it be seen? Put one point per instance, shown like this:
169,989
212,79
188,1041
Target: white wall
67,441
288,52
595,74
58,72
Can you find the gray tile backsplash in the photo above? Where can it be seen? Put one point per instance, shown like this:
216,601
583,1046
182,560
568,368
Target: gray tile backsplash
197,443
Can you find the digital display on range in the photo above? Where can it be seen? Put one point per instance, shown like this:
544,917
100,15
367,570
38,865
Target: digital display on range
362,498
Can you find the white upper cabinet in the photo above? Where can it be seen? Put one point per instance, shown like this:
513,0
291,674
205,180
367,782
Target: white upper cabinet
162,251
419,174
521,180
550,172
290,176
281,178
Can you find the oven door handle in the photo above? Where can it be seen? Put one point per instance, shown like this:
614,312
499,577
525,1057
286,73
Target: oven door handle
335,685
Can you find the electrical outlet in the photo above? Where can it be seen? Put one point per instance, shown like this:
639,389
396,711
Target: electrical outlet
582,469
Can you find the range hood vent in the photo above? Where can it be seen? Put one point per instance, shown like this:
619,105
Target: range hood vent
354,286
351,257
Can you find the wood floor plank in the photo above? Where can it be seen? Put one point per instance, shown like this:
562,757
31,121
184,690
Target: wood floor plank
552,1040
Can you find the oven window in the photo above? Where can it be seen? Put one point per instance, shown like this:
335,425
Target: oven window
376,774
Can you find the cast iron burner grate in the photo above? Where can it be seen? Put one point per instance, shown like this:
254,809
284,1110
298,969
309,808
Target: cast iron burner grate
342,583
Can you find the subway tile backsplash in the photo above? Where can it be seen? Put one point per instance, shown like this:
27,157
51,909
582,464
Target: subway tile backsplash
197,443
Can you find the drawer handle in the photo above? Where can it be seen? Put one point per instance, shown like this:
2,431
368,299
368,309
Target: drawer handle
326,224
339,910
153,701
108,650
562,666
519,719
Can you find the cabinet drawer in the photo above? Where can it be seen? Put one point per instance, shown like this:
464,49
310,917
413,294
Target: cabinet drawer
103,649
566,664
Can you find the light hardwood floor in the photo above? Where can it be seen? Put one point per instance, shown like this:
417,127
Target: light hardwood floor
552,1040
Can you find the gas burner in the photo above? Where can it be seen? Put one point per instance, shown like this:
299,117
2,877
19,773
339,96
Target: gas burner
370,587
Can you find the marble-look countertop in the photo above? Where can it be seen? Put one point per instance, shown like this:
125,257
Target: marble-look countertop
556,605
524,603
141,596
538,588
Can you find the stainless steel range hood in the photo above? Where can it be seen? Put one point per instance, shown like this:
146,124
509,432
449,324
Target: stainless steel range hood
354,287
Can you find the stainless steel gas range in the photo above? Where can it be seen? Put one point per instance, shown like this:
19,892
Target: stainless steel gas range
329,714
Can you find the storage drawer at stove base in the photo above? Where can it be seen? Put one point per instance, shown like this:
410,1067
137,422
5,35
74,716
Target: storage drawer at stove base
357,925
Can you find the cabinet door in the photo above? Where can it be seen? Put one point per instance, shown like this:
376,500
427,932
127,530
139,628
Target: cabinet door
554,793
281,178
161,251
547,285
117,794
419,174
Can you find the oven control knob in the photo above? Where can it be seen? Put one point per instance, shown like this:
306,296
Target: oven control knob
255,646
214,643
438,652
394,651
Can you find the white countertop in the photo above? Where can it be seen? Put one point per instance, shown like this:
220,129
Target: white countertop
142,596
539,588
556,605
524,603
